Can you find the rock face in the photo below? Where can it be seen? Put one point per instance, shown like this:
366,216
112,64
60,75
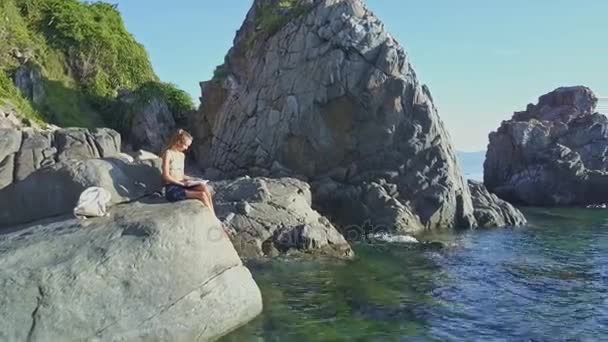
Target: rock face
54,190
28,79
491,211
554,153
10,142
22,152
149,272
151,125
328,96
274,216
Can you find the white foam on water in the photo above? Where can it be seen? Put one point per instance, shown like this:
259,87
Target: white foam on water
394,238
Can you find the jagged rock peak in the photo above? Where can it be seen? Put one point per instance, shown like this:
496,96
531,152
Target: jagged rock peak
563,104
320,89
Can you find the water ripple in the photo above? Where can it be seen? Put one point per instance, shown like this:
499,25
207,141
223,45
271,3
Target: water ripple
544,282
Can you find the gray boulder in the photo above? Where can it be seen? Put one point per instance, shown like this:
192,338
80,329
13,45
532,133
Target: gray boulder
368,208
491,211
10,142
36,152
554,153
79,144
149,272
274,216
327,92
107,141
37,148
151,122
54,190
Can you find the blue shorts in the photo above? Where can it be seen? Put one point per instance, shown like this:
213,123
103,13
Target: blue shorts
174,193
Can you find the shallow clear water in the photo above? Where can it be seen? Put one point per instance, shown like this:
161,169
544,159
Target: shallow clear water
546,281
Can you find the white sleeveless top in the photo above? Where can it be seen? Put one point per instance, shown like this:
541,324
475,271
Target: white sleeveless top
176,164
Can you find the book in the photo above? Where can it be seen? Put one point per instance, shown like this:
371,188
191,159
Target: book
195,182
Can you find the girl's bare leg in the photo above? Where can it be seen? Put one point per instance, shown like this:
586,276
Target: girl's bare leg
205,190
203,194
199,195
208,202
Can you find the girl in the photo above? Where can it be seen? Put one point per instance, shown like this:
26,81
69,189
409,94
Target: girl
178,186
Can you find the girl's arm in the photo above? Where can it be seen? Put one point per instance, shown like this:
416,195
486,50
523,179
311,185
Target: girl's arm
166,175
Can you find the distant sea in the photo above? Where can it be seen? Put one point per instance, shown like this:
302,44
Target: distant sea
472,164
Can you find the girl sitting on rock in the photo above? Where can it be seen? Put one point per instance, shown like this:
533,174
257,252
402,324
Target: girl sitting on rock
178,186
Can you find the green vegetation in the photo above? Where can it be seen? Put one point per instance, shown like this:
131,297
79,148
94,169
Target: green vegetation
92,36
179,101
85,54
273,15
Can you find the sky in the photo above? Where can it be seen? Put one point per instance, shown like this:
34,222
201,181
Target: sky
482,60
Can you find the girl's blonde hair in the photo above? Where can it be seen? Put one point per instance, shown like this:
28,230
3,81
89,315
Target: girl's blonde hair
180,136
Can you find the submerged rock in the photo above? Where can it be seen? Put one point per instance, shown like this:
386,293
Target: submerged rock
554,153
274,216
326,94
148,272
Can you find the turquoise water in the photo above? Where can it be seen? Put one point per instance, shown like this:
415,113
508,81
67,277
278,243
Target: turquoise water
544,282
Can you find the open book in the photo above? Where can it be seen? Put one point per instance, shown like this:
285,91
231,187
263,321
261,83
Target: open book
195,182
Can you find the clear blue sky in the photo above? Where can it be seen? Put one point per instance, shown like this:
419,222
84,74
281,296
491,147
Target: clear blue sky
481,59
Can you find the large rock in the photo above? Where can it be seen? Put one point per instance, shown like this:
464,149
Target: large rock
149,272
75,144
554,153
54,190
368,208
28,79
37,148
491,211
151,124
327,92
36,151
274,216
107,141
10,142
